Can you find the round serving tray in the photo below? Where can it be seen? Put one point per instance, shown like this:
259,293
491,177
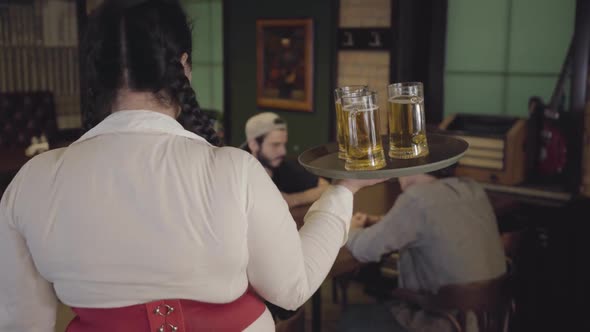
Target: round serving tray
445,150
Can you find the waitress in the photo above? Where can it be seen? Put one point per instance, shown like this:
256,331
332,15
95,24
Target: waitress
143,224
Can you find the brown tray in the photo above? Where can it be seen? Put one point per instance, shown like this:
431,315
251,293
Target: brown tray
445,150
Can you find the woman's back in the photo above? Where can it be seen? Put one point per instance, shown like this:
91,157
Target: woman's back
154,214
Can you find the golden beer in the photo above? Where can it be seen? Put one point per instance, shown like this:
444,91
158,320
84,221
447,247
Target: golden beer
364,149
407,133
406,121
341,121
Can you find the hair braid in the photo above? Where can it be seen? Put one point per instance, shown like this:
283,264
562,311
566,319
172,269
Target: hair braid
137,45
102,60
191,117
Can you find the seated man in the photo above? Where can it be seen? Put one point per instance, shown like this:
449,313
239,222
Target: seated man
266,139
445,230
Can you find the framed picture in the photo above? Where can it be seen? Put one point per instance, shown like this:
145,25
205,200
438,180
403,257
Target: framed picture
285,64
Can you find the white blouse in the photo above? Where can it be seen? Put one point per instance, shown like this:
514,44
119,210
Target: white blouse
139,209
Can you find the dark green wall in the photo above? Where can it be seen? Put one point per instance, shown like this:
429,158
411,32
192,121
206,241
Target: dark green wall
305,129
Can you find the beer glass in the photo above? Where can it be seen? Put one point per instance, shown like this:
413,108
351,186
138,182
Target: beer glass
407,125
364,150
341,121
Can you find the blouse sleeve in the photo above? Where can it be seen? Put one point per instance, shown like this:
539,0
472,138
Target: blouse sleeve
27,301
285,266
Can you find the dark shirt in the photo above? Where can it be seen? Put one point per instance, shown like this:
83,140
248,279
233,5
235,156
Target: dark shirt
290,177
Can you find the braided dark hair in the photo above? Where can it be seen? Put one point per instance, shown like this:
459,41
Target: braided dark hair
138,45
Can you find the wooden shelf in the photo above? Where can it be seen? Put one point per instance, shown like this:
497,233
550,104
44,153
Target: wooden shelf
535,194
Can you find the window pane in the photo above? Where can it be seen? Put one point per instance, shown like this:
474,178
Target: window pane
481,94
476,35
520,89
539,38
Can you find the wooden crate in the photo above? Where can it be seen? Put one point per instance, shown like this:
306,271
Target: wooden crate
505,161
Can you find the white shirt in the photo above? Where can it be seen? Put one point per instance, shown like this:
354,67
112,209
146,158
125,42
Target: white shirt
138,209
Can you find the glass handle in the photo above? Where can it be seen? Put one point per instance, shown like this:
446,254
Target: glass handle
352,128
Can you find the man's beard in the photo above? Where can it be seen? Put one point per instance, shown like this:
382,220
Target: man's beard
266,163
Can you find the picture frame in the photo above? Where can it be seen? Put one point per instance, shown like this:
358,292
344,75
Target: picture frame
285,61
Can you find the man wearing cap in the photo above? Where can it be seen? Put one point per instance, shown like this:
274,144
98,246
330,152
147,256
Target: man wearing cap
266,139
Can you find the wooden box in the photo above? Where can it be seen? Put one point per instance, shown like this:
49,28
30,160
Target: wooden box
496,147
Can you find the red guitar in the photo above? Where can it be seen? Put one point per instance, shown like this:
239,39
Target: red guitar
552,143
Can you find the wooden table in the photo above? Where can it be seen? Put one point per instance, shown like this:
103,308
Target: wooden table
528,193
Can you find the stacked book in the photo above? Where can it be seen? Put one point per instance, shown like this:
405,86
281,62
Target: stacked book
484,152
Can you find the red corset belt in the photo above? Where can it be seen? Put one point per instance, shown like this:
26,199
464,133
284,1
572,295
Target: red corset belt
170,316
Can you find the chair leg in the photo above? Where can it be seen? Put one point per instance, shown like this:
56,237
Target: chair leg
335,290
344,292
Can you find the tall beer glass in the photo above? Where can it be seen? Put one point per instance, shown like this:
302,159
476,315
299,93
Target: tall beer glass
364,150
341,121
406,121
